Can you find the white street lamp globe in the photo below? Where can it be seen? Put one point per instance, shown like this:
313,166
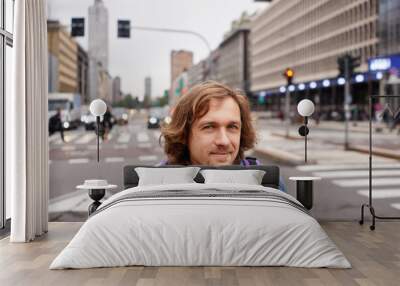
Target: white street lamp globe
98,107
305,107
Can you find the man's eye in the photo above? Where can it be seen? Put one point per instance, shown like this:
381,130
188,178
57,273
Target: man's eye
234,127
207,127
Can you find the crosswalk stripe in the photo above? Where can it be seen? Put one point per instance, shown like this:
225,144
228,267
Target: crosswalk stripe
396,206
57,141
353,174
78,161
157,134
124,138
78,153
313,168
71,137
381,193
94,147
68,148
365,182
86,138
72,202
114,159
148,158
142,137
144,145
120,146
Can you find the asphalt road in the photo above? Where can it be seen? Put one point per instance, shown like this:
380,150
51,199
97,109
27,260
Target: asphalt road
338,196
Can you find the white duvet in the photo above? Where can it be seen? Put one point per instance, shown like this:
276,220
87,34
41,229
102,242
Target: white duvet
183,231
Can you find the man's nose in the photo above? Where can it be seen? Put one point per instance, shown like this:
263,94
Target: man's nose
222,137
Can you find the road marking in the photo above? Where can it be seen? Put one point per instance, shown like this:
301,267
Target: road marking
70,137
377,182
57,141
365,166
94,147
353,174
124,138
142,137
148,158
114,159
157,134
120,146
68,148
144,145
78,161
77,201
79,153
396,206
85,138
381,193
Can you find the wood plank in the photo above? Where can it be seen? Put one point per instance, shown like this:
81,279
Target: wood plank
374,255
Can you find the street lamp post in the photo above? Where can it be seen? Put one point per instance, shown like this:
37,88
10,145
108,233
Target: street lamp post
289,75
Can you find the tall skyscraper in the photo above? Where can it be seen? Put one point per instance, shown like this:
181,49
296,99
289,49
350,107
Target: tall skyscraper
147,91
98,45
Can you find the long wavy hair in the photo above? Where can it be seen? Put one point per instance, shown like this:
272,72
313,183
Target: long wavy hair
194,105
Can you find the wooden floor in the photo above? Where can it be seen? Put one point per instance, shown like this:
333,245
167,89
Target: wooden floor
374,255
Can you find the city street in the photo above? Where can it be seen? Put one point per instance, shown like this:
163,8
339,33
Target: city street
76,160
338,196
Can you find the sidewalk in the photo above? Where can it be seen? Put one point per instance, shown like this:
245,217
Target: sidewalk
354,126
273,144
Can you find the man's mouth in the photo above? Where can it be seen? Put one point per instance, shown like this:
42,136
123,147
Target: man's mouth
220,153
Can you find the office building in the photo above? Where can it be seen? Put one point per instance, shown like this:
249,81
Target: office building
147,91
63,59
83,74
308,36
98,45
233,62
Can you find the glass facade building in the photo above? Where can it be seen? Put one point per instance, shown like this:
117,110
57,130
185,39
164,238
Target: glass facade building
389,27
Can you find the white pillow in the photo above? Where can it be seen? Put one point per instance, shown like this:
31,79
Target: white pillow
162,176
249,177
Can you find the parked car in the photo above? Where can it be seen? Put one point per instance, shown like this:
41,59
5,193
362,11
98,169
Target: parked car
158,116
121,115
89,121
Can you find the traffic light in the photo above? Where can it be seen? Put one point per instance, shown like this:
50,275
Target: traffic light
77,27
124,28
347,64
341,66
289,75
354,63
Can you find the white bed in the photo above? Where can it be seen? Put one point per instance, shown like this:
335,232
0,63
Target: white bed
237,228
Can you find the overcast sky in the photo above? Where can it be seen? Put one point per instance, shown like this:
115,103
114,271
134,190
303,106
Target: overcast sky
148,53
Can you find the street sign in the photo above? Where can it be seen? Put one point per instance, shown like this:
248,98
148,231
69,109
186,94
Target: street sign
77,27
124,28
384,63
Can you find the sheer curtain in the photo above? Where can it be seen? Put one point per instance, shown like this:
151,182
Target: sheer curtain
27,173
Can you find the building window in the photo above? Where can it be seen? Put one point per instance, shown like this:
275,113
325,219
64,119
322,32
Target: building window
6,41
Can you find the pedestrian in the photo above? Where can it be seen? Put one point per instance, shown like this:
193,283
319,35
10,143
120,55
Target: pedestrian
211,125
55,124
108,120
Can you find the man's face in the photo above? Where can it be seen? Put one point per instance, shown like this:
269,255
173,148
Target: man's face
214,139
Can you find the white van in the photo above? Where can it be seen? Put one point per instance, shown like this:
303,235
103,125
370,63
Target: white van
70,105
